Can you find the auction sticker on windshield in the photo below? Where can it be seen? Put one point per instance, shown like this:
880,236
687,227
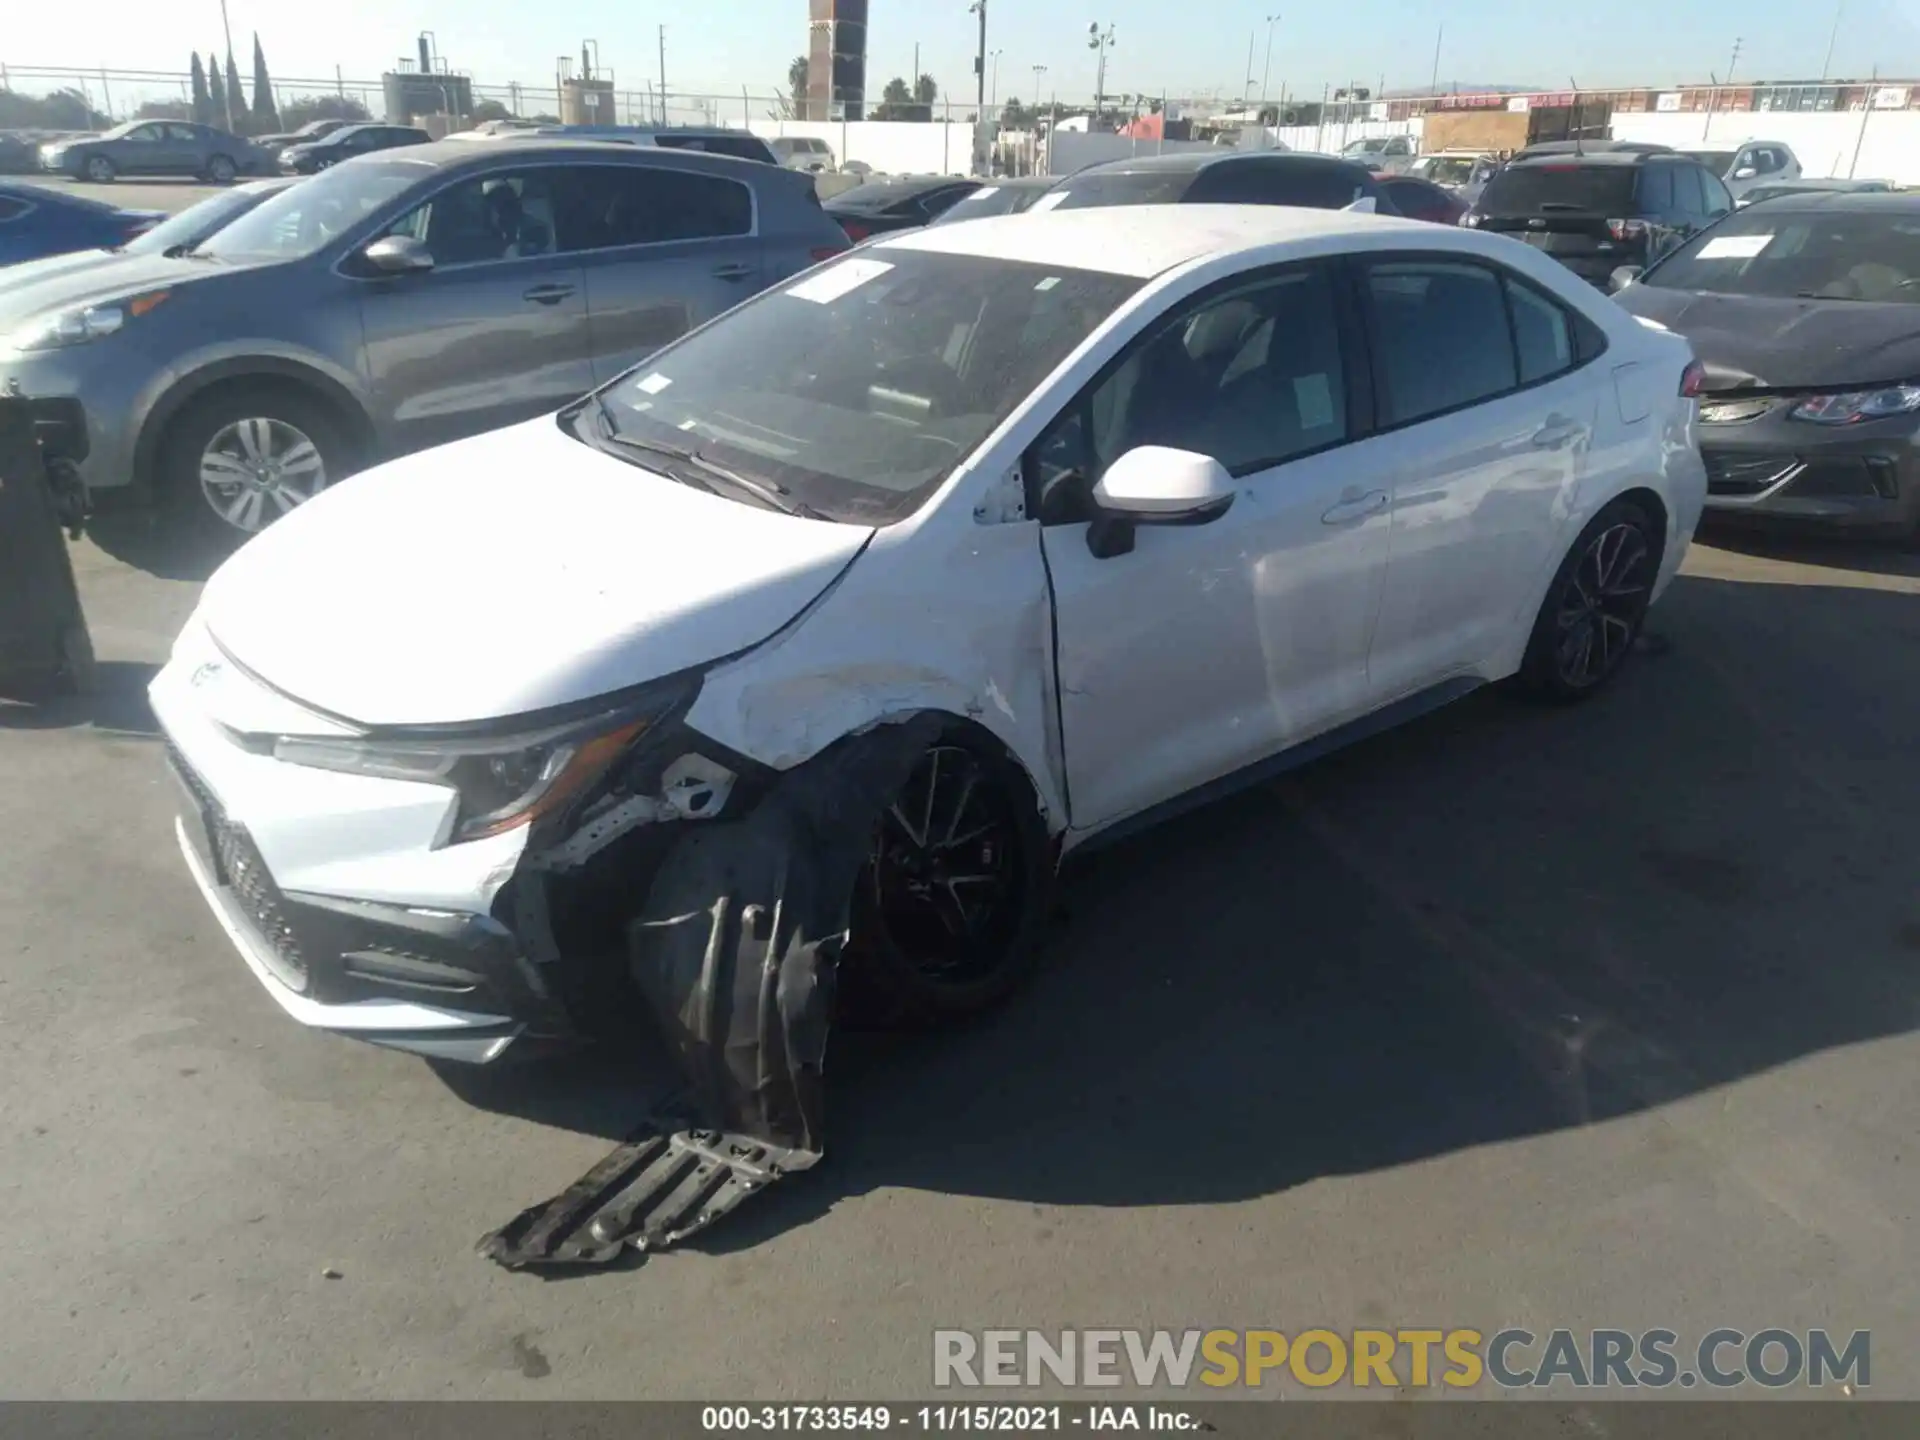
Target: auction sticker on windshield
842,279
653,384
1734,247
1047,201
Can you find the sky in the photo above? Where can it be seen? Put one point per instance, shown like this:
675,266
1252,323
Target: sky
716,46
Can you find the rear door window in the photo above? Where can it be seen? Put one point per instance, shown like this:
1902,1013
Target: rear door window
1689,199
1441,339
1542,189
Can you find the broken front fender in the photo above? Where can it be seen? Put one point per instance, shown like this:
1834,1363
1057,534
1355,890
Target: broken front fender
734,952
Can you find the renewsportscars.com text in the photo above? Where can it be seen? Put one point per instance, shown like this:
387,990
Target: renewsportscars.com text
1461,1358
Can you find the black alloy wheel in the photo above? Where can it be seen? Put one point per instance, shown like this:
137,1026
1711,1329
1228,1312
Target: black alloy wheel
1596,605
946,908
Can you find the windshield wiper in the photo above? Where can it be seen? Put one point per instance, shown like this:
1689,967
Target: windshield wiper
1816,295
693,468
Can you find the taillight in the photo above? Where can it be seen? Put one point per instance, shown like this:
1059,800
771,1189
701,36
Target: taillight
856,232
826,252
1627,229
1693,380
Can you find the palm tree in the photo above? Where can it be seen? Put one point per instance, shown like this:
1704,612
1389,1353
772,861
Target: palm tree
797,85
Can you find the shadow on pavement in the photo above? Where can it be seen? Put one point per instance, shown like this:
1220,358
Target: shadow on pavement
118,703
1500,921
1870,554
154,542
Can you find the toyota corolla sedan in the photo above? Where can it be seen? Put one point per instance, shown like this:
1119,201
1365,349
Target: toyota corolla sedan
814,643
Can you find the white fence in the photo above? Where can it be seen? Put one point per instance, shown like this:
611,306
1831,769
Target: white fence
1889,148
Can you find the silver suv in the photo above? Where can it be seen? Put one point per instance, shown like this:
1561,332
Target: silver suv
393,302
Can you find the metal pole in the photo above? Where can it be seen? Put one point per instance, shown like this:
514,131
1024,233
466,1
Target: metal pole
993,95
1320,127
1266,68
1713,98
1832,35
746,110
1433,85
1866,111
227,90
106,95
980,93
339,83
1246,90
663,74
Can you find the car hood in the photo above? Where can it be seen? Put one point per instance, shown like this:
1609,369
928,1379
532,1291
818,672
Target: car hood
507,574
1755,343
33,290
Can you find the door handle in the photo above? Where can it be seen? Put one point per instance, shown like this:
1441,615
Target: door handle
547,294
732,272
1556,432
1356,507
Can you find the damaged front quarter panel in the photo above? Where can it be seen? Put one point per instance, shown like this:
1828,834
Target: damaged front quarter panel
733,952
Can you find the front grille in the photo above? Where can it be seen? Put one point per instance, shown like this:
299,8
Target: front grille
240,868
1743,473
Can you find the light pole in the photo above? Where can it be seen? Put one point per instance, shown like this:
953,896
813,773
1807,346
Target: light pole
1826,65
1246,90
993,93
1266,67
226,91
979,7
1101,41
1038,71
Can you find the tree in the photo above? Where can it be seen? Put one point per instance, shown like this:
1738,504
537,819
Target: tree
321,107
202,103
236,96
216,92
896,101
1015,116
266,116
797,85
62,110
485,110
164,110
925,92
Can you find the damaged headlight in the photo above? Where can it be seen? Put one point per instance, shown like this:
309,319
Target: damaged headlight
503,781
1856,405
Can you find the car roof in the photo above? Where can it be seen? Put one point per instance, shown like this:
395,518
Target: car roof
1600,157
1890,202
1192,160
453,153
1155,238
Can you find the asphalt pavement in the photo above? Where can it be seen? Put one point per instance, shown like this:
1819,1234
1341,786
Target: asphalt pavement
160,194
1588,1017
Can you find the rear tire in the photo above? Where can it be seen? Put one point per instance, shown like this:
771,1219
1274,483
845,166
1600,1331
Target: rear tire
1594,608
236,460
948,912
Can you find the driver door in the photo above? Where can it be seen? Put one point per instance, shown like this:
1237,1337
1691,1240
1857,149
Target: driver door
1206,648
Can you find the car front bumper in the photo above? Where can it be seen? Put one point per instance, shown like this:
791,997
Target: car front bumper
1863,477
111,400
334,888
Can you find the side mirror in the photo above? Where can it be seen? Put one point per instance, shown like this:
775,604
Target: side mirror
1745,172
398,255
1622,277
1155,485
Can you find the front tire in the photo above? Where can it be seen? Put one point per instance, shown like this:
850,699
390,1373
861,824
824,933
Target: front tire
99,169
1595,606
238,460
948,911
221,170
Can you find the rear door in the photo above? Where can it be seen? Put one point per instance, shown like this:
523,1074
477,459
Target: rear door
662,249
1567,209
497,331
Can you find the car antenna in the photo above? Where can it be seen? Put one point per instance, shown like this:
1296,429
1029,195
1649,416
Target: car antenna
1577,127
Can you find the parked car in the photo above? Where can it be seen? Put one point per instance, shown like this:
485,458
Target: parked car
169,234
18,155
1584,147
1419,199
899,202
861,605
802,152
36,222
1596,213
711,139
1746,165
307,134
1000,197
1222,177
155,147
393,302
347,142
1758,193
1391,154
1805,313
1464,172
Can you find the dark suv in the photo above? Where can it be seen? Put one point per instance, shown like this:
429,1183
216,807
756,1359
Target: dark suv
1263,177
1596,212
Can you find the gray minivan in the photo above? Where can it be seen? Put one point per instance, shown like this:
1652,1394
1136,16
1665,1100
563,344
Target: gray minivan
393,302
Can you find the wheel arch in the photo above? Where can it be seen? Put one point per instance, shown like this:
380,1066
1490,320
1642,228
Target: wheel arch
232,374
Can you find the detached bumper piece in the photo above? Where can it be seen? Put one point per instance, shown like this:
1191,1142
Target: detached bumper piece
735,954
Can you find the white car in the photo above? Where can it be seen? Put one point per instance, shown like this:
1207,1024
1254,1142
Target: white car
864,604
802,152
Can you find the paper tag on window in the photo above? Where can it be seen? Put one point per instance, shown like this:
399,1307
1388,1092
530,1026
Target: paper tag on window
653,384
986,190
837,280
1048,283
1047,201
1314,397
1733,247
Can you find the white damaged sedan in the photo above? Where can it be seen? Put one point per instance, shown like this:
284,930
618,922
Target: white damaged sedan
813,644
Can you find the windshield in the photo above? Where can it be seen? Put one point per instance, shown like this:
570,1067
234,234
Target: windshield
992,200
304,217
1718,161
879,195
1820,254
1530,189
193,222
1121,187
1446,170
857,389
